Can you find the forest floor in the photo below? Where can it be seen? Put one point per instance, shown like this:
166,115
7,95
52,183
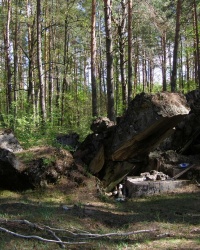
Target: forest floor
175,217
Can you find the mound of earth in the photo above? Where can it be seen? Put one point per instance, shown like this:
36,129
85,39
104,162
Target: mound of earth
39,167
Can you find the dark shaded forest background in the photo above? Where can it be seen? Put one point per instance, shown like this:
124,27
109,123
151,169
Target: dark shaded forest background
64,62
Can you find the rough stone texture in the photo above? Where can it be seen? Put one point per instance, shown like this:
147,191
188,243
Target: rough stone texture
46,165
112,152
9,141
9,158
186,138
11,169
148,120
90,147
38,167
138,187
70,140
100,124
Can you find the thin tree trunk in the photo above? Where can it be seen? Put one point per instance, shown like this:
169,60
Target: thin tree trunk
197,42
130,69
187,69
93,60
15,47
144,71
121,33
136,64
57,89
181,86
101,76
30,96
50,77
66,48
7,49
109,57
65,85
151,73
116,77
164,61
40,66
176,43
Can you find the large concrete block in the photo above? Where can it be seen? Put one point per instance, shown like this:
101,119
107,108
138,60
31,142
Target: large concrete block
136,187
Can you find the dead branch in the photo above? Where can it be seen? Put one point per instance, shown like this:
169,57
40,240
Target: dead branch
39,238
197,183
57,238
115,234
164,235
81,235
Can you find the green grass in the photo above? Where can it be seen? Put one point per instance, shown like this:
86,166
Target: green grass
176,214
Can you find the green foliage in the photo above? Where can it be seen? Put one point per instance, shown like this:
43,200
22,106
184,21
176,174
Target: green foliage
49,161
66,55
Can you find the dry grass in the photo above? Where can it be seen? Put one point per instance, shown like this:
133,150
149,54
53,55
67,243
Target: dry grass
177,214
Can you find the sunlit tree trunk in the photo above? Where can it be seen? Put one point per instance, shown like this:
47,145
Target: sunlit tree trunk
151,74
121,33
7,50
144,71
93,59
187,71
102,87
40,66
164,61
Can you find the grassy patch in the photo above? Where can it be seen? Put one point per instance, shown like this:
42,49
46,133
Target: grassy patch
176,215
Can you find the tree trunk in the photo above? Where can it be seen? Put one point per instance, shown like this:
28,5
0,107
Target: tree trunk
15,48
136,65
30,97
197,41
130,69
50,77
40,66
109,58
93,59
176,43
164,61
144,71
121,33
100,68
7,50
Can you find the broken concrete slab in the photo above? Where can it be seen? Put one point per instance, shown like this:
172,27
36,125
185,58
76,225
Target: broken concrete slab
136,187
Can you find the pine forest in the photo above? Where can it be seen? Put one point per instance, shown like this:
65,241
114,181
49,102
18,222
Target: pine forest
64,62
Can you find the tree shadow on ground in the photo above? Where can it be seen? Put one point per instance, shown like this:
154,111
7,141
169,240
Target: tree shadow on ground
180,208
177,208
